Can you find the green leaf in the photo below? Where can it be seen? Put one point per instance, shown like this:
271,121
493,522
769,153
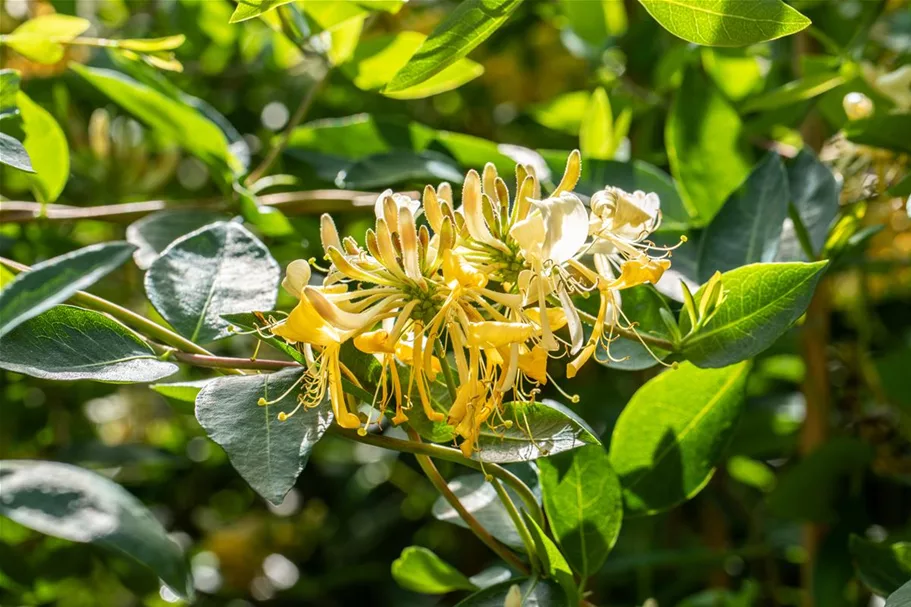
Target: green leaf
153,233
552,560
40,38
219,269
563,113
882,131
534,592
480,499
747,229
81,506
47,148
398,167
171,118
539,429
420,570
269,454
376,61
53,281
596,20
584,504
250,9
901,597
705,148
596,137
152,45
14,154
884,568
464,28
811,490
794,92
763,301
726,22
9,89
67,343
183,391
736,72
814,200
672,434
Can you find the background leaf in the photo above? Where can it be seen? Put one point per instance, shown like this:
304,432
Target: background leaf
596,137
763,301
250,9
67,343
420,570
726,22
47,149
584,504
539,429
40,38
672,433
747,229
219,269
53,281
153,233
814,201
901,597
472,22
14,154
706,153
883,567
269,454
534,592
81,506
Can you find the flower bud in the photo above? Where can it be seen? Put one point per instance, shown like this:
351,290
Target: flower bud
857,106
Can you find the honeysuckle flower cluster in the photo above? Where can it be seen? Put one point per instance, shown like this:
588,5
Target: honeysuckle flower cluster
489,287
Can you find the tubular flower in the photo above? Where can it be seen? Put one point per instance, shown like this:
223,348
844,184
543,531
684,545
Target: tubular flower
474,299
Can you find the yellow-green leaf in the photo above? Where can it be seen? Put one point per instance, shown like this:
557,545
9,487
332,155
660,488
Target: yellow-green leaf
250,9
596,131
40,39
152,45
726,22
47,148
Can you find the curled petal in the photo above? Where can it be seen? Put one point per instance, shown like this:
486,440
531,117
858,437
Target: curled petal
571,174
328,233
533,364
566,225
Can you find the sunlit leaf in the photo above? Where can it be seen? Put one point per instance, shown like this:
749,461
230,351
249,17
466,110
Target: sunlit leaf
596,137
472,22
250,9
420,570
40,39
671,435
552,560
726,22
9,87
794,92
81,506
47,148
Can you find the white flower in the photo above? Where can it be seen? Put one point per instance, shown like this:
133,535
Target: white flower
388,204
631,217
554,231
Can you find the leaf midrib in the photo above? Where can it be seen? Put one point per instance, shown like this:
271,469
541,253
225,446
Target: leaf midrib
717,14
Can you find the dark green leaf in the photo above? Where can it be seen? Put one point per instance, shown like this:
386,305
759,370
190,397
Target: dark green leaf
534,592
552,560
814,199
219,269
9,88
481,500
464,28
884,568
47,149
53,281
887,131
67,343
398,167
726,22
584,504
420,570
901,597
747,229
14,154
672,434
81,506
812,489
763,301
153,233
171,118
538,430
269,454
704,145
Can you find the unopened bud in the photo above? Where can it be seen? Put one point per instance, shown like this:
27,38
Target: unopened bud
857,106
513,597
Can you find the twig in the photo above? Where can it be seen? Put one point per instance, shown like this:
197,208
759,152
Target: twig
225,362
309,202
520,525
476,527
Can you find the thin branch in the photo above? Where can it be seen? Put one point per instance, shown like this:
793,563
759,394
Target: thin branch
520,525
296,119
430,470
225,362
307,202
